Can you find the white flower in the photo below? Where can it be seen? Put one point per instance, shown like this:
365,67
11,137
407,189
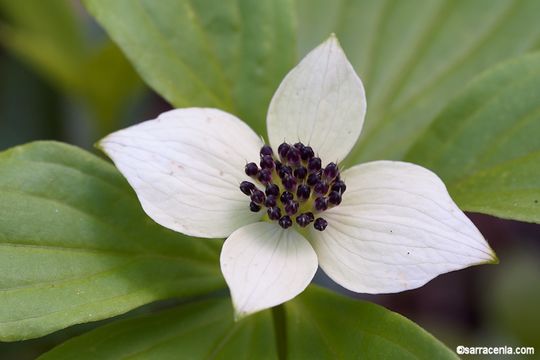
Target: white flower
395,229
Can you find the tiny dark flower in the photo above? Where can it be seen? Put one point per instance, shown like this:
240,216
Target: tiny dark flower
303,220
321,203
270,201
289,182
247,187
293,156
251,169
274,213
291,207
307,153
334,198
267,162
265,176
314,164
286,196
313,179
320,224
331,171
285,222
254,207
303,192
257,196
300,173
272,189
320,188
285,170
283,149
266,150
339,186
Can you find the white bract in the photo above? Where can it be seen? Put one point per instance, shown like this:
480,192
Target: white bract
395,229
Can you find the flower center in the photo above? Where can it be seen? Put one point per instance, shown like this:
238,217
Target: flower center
295,187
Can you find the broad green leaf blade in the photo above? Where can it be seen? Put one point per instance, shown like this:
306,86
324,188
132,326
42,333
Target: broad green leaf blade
59,24
45,34
204,330
108,84
75,245
485,145
415,55
225,54
49,37
318,325
324,325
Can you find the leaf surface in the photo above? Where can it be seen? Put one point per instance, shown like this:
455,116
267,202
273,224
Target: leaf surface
319,324
75,245
485,144
229,55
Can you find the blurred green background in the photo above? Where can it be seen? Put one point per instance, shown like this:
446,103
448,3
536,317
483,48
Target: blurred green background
62,78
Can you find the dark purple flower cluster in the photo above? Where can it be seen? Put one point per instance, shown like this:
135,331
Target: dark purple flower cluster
293,185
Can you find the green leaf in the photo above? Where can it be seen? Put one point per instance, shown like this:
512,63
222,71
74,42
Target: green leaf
319,325
50,38
225,54
75,245
485,145
415,55
108,83
324,325
45,34
202,330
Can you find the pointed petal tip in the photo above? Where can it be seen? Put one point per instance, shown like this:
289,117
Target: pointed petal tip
440,235
324,77
494,260
491,258
103,143
99,145
239,315
265,266
163,158
334,40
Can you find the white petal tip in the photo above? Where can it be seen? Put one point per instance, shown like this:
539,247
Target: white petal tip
163,160
494,258
397,229
102,144
239,315
325,78
98,146
334,41
265,266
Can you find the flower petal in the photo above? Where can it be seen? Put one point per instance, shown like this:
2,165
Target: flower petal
186,166
265,265
396,229
321,102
